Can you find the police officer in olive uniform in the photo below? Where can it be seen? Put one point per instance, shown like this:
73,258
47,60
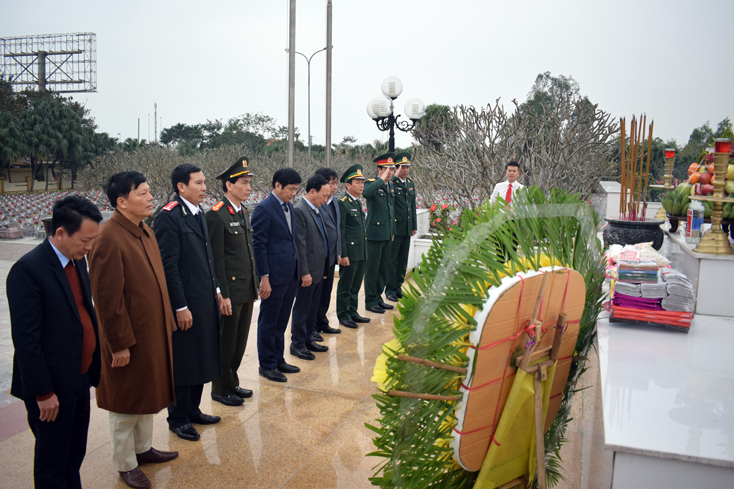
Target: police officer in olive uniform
380,195
405,225
354,249
234,263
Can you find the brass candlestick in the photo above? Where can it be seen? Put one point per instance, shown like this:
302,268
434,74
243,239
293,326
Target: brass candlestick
667,181
715,241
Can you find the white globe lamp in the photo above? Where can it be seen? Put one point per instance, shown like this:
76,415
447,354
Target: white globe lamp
392,87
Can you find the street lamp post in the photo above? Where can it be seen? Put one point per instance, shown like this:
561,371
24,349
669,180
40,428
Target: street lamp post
382,111
308,62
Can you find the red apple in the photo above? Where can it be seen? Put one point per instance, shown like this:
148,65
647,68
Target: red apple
705,178
707,189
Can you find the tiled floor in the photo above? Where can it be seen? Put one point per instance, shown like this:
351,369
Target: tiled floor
307,433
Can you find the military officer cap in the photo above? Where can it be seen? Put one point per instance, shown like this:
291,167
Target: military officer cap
354,171
239,169
402,159
385,161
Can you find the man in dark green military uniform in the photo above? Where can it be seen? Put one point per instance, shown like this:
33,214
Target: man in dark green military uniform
354,249
379,194
234,263
405,225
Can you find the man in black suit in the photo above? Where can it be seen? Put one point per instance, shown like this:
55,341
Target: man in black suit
313,250
276,258
332,223
183,239
54,330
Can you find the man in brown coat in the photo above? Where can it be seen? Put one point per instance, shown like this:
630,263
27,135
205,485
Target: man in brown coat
135,323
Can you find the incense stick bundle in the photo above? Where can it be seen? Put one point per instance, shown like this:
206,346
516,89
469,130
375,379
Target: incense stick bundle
635,172
623,163
647,170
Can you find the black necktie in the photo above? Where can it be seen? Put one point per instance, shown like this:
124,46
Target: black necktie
198,219
285,207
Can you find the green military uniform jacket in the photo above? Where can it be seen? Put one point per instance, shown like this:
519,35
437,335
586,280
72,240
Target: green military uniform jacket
234,259
353,229
405,218
380,198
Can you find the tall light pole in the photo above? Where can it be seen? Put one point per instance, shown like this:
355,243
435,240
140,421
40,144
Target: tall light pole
327,138
291,83
382,111
308,62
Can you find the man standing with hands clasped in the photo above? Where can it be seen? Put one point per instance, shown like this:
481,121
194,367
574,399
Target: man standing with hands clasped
234,261
510,186
183,238
136,322
54,331
276,255
354,249
380,195
313,250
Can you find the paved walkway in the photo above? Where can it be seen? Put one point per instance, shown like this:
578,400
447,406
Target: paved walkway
307,433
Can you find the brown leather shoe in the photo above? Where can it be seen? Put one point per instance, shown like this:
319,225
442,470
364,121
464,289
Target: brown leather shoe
154,456
135,479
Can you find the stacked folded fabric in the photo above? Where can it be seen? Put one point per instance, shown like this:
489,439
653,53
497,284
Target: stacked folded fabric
654,291
644,294
638,271
624,300
680,292
630,290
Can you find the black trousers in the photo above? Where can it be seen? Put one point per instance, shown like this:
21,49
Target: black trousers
328,285
303,323
233,333
188,398
61,444
275,311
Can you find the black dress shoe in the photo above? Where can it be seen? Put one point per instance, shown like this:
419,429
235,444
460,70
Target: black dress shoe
360,319
202,418
272,374
392,298
228,400
329,330
399,293
302,353
387,306
135,479
376,309
317,337
287,368
242,393
186,432
348,323
154,456
313,346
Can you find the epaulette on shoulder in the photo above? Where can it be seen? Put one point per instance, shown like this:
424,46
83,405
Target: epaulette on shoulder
371,179
408,178
170,205
218,206
344,199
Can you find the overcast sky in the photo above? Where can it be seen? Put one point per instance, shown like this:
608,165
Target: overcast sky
673,60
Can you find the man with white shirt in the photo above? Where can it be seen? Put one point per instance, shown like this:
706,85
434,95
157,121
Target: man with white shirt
230,234
507,188
183,238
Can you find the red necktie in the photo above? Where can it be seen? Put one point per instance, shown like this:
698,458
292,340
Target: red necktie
508,197
88,338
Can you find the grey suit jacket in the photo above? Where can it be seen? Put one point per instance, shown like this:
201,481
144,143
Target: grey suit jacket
309,242
335,221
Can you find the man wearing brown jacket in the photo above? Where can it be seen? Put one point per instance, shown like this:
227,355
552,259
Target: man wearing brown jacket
135,323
